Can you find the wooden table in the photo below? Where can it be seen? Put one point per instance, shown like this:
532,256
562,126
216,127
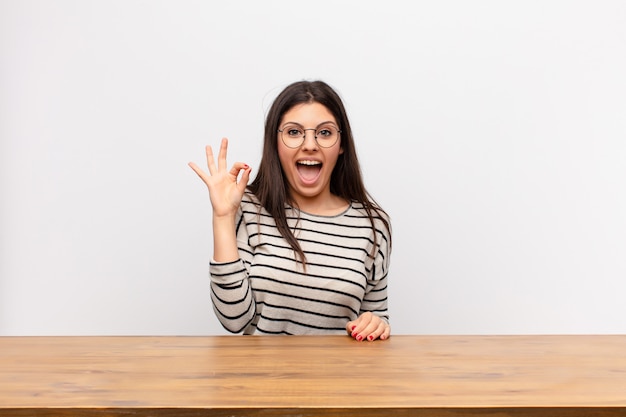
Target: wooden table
309,375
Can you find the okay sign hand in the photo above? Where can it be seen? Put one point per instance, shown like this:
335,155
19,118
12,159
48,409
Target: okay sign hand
224,189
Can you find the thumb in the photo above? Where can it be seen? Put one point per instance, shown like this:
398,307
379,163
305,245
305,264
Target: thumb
350,326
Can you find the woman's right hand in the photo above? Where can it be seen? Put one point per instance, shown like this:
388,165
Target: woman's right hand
224,190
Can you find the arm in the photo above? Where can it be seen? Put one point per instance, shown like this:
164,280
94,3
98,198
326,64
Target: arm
226,194
373,320
230,291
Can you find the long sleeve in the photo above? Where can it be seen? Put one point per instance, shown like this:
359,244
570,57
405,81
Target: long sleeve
375,299
231,294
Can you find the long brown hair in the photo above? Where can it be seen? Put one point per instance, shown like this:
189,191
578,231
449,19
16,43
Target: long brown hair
270,185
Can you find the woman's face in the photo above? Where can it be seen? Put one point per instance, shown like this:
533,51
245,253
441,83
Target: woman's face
308,167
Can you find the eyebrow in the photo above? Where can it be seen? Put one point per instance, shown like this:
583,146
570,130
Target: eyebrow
328,122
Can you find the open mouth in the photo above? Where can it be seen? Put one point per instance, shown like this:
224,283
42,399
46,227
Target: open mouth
309,170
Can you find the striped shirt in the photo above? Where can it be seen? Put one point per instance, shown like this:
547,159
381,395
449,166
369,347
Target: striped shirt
268,291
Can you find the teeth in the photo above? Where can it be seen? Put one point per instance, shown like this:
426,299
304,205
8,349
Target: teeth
309,162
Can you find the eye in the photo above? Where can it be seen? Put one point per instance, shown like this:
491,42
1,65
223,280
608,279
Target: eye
294,132
326,132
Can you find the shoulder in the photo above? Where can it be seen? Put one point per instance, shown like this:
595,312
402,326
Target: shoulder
381,225
378,214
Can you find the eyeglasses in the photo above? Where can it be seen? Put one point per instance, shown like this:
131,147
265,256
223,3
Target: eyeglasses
293,135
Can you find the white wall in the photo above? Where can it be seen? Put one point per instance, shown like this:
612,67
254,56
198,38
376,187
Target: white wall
494,132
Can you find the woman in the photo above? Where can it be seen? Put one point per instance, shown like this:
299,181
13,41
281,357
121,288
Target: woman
303,249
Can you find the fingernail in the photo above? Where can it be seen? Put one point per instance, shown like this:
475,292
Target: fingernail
359,337
370,338
353,327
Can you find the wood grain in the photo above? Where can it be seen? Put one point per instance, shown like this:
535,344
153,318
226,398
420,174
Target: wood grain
308,375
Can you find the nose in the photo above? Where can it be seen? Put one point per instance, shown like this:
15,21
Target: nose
310,141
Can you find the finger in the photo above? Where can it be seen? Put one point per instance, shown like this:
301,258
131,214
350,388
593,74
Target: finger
386,333
237,168
203,176
370,332
221,157
358,329
210,161
378,332
359,325
352,327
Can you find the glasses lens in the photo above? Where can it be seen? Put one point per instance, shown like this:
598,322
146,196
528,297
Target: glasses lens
326,136
292,136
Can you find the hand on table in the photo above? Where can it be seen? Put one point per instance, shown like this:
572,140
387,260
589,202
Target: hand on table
368,326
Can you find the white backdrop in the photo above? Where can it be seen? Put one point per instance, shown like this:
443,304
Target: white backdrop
494,133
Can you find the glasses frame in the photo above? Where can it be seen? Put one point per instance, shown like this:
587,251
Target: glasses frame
314,135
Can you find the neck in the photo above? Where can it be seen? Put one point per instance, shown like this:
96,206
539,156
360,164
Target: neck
322,205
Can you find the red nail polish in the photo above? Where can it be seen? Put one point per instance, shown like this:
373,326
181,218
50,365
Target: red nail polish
370,338
359,337
353,327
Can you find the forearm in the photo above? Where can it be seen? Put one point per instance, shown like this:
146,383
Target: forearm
375,300
224,239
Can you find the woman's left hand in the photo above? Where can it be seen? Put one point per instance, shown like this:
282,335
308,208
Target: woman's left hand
368,326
